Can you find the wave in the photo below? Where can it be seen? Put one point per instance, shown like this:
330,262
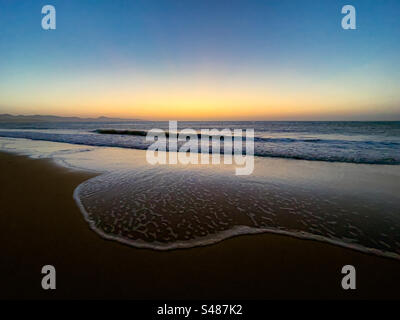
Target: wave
331,150
125,216
122,132
144,133
125,205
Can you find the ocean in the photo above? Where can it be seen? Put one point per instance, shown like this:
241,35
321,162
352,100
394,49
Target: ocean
336,182
351,142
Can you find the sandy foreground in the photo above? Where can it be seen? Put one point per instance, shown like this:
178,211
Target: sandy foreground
41,224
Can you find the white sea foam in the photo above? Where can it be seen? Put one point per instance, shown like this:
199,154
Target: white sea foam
363,142
165,210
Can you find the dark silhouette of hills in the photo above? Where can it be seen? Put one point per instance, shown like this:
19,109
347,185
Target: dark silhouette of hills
49,118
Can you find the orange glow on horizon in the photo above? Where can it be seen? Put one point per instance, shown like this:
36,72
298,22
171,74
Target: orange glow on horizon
197,97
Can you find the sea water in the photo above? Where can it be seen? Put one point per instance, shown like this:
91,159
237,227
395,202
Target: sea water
347,195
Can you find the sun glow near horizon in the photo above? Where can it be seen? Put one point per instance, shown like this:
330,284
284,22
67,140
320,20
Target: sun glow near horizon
241,97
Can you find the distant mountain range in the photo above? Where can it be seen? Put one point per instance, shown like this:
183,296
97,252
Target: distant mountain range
46,118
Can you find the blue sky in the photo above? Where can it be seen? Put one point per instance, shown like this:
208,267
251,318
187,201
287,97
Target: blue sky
278,55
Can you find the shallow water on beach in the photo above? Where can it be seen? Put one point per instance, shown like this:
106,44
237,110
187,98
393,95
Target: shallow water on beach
168,207
164,210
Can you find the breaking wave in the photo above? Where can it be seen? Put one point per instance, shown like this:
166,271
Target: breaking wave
315,149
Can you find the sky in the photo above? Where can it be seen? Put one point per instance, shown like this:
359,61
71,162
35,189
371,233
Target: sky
201,60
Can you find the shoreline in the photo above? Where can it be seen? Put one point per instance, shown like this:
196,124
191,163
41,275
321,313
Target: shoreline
236,231
89,266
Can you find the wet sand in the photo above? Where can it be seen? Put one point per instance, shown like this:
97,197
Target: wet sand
41,224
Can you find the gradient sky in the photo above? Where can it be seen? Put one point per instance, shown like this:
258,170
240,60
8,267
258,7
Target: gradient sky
208,59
